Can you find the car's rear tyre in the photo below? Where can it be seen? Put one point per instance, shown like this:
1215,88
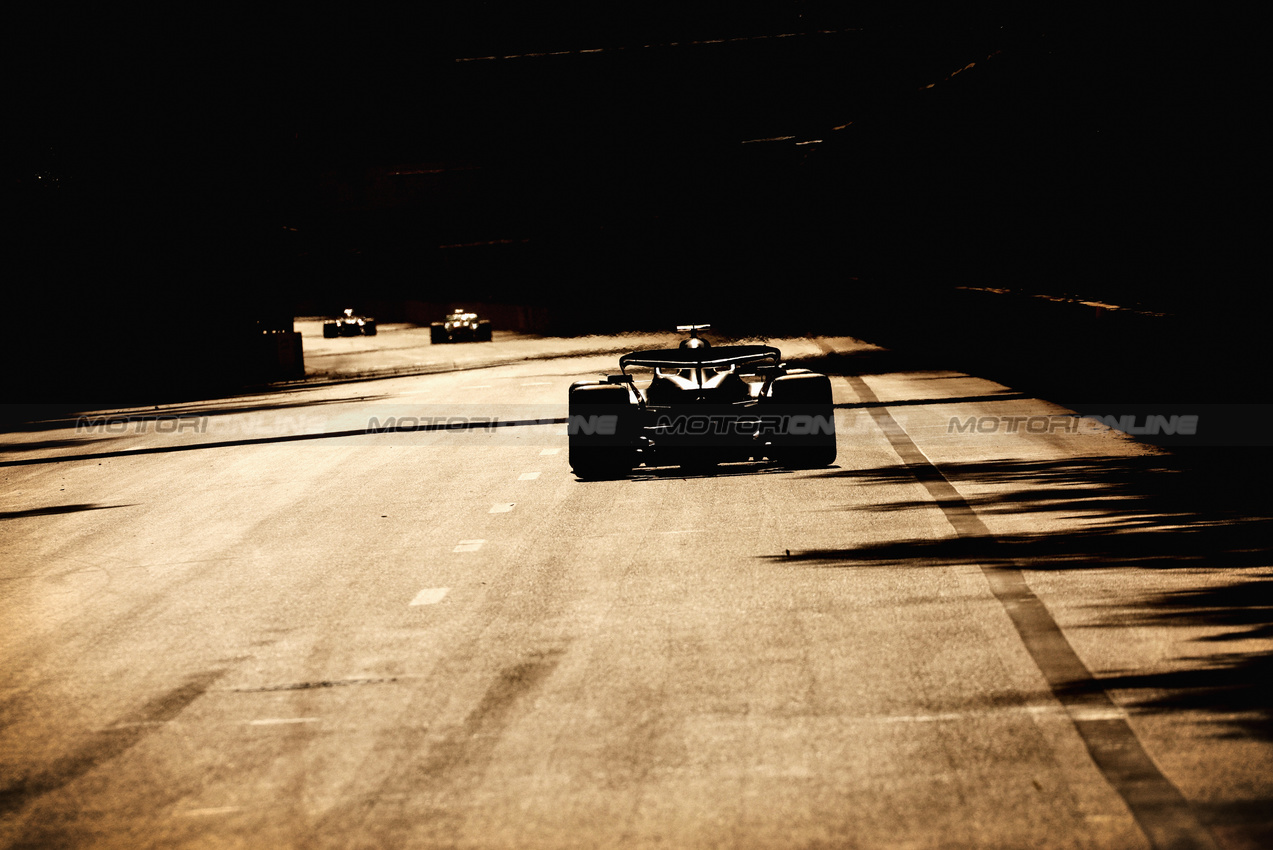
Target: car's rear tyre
369,329
699,465
329,332
600,464
802,402
806,457
601,431
437,335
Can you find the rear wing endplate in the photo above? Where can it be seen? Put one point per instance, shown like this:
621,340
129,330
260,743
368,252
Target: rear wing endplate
698,358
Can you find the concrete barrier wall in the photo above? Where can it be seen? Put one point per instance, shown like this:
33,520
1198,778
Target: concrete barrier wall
275,356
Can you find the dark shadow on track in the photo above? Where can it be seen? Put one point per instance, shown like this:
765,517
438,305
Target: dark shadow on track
56,509
290,438
1006,395
45,445
1182,510
54,417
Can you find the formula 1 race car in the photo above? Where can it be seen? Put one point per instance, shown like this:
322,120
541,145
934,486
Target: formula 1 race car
697,406
347,324
459,326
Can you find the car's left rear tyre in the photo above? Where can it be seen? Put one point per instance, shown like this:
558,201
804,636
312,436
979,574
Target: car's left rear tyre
601,430
600,464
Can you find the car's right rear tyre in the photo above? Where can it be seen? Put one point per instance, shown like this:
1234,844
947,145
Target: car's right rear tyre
698,464
802,402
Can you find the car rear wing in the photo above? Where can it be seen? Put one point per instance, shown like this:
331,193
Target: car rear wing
700,358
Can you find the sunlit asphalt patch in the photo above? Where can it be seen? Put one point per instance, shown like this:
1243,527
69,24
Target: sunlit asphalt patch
1158,806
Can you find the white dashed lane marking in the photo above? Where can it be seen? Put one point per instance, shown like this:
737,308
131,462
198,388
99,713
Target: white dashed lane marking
430,596
528,476
550,451
501,507
468,546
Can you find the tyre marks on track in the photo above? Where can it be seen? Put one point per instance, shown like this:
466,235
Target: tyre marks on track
1159,808
108,744
428,775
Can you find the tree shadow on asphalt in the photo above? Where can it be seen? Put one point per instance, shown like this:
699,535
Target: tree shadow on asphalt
54,510
1202,510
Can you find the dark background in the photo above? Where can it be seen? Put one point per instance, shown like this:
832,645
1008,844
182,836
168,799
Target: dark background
181,180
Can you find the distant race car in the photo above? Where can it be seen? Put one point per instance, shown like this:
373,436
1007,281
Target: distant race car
697,406
347,324
459,326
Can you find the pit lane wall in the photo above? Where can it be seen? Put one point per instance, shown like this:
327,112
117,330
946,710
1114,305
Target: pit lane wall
274,356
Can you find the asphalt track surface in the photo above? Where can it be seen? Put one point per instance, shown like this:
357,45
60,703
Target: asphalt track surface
383,613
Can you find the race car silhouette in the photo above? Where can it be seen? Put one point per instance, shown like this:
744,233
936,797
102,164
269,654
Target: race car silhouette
460,326
349,324
696,406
